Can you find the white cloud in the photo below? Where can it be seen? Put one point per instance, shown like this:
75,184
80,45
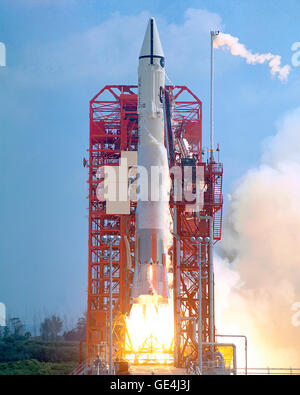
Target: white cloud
237,49
262,238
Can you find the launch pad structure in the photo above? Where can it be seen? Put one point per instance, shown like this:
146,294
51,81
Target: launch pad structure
113,130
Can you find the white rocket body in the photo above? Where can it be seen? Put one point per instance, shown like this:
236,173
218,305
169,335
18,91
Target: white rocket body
150,222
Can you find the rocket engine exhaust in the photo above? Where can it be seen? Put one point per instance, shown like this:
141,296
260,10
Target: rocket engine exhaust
150,279
150,275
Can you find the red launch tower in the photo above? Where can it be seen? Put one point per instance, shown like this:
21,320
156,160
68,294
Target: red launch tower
114,128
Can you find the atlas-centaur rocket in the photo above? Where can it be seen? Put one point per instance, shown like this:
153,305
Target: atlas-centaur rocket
150,274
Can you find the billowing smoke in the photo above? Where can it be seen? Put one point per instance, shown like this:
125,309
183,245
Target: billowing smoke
238,49
258,271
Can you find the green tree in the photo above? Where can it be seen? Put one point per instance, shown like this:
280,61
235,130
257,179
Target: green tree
16,327
77,333
6,332
51,327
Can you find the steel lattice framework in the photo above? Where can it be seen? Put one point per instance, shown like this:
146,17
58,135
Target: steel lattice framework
114,128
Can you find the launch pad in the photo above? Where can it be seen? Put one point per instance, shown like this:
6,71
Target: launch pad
151,300
113,129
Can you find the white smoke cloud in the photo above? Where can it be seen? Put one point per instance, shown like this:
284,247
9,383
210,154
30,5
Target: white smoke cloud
238,49
258,277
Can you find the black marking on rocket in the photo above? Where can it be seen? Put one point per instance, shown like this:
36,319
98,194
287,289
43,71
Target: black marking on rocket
151,40
152,56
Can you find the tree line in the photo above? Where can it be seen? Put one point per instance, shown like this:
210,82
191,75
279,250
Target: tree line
50,329
52,346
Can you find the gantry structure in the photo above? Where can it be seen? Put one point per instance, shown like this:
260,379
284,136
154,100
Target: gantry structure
113,130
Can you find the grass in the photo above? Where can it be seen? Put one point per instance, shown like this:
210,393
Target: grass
34,367
36,357
12,350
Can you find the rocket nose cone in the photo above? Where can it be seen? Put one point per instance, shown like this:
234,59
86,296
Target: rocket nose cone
151,44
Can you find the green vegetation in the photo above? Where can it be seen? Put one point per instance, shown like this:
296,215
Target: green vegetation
34,367
49,354
19,350
50,328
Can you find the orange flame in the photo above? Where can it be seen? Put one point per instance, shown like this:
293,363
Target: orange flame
150,331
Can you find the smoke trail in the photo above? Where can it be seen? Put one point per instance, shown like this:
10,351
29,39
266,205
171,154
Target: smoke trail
258,276
238,49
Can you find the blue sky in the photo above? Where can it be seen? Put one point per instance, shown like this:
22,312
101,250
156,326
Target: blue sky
59,54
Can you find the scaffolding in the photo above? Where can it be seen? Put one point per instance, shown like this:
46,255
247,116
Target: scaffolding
113,129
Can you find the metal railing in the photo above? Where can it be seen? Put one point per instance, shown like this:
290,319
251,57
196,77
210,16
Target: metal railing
91,366
94,367
270,371
82,369
213,369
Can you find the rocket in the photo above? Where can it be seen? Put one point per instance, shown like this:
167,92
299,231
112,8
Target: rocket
150,273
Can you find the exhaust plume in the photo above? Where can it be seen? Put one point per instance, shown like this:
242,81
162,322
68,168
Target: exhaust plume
238,49
258,276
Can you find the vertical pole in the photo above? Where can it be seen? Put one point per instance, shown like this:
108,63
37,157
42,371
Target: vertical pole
176,295
212,35
211,263
200,308
110,310
106,339
246,356
211,283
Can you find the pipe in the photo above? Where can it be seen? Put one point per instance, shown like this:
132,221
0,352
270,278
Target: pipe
110,310
177,290
199,307
213,344
211,275
220,356
199,262
106,330
246,349
212,35
211,280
